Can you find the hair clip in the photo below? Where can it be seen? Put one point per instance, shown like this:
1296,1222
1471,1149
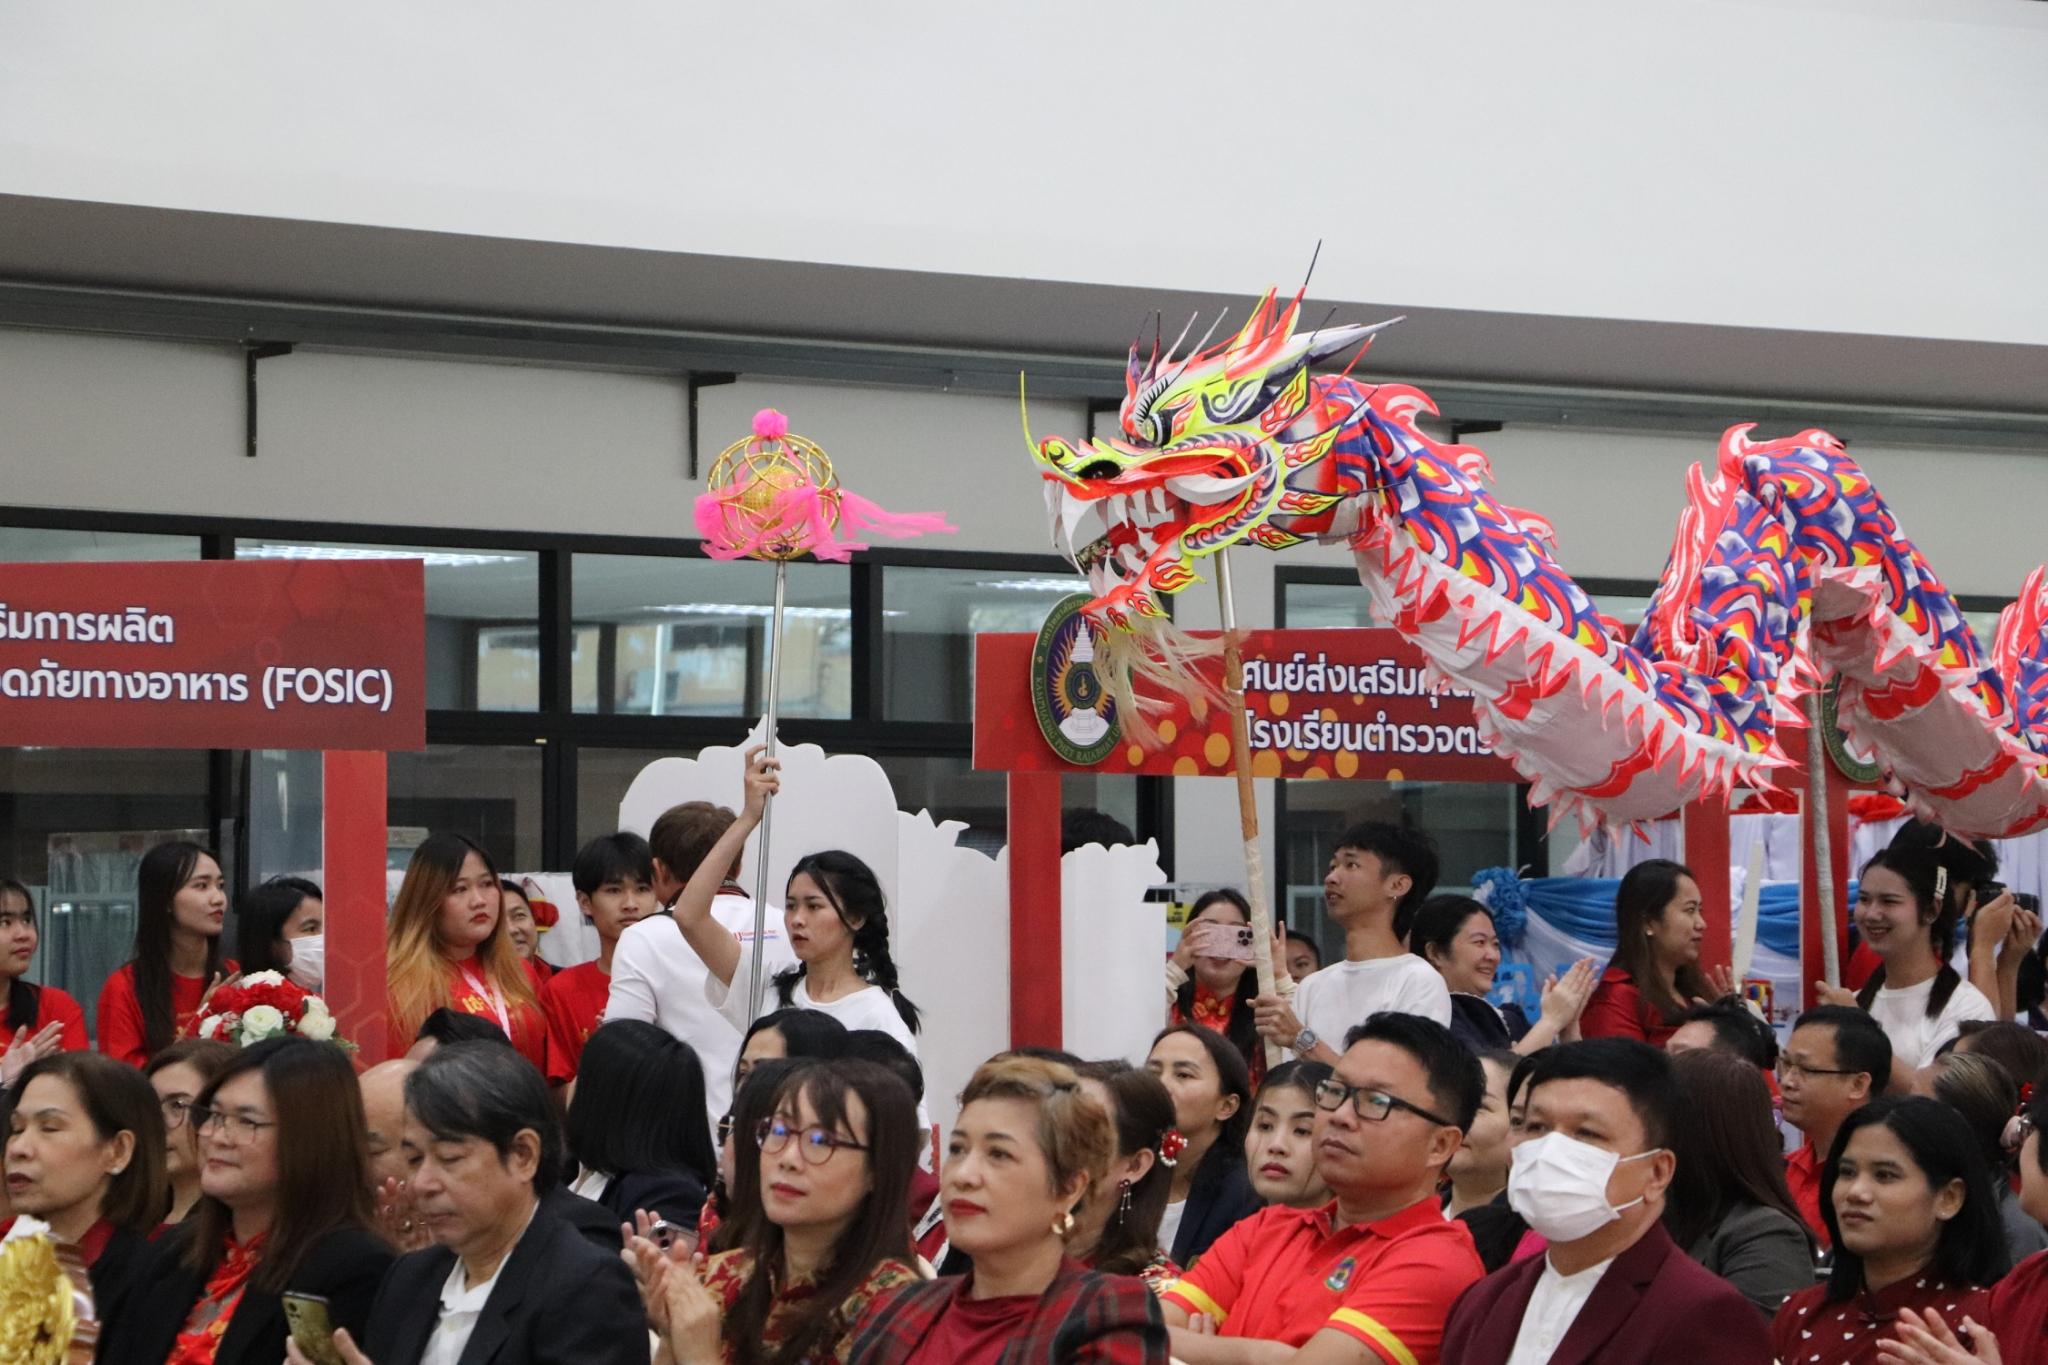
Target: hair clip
2026,1096
1940,887
1171,1145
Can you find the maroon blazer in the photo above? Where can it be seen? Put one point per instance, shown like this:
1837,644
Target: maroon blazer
1655,1305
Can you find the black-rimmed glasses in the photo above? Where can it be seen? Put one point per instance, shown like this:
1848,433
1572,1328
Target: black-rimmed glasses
817,1144
1373,1106
1788,1068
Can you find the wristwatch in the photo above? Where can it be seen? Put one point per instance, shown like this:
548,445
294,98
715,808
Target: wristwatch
1304,1042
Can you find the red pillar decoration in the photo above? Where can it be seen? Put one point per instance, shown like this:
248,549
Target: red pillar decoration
353,794
1036,1018
1810,957
1706,853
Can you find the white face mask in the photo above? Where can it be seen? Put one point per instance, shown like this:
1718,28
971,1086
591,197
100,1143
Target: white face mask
309,962
1559,1184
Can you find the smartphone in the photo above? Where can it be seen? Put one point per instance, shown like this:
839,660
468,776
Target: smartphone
311,1327
2027,901
1230,942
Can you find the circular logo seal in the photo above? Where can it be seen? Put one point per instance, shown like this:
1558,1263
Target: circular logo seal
1846,763
1075,712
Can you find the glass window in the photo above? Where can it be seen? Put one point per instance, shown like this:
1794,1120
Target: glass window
660,636
1326,606
490,793
31,545
602,776
1473,824
929,620
483,618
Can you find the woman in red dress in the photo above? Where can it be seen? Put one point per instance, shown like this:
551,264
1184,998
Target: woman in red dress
1908,1203
1655,974
39,1019
181,900
447,948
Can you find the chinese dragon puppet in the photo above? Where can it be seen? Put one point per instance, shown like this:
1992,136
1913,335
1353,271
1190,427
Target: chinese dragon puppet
1787,568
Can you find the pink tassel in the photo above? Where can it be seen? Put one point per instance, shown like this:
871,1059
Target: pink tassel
770,425
857,512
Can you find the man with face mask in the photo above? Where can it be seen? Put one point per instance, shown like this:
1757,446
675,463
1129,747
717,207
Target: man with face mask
1589,1174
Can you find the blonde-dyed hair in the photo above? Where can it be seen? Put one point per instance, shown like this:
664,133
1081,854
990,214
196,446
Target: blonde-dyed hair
1074,1131
416,964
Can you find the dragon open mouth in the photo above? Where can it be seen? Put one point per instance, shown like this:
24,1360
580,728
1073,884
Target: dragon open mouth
1125,535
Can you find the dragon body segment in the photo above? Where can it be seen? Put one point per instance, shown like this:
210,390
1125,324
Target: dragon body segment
1786,567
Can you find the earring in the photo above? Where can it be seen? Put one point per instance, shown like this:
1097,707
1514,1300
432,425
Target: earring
1063,1224
1123,1202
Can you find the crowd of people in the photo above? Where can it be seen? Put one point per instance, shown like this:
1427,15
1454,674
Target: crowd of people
620,1162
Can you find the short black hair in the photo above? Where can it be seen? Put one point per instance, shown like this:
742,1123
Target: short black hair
1045,1054
483,1091
613,1128
1401,848
1639,1071
1455,1080
873,1045
448,1027
1084,825
1737,1030
1861,1043
1437,922
1306,941
611,858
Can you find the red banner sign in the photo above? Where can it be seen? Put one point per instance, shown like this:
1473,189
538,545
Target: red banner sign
214,654
1321,703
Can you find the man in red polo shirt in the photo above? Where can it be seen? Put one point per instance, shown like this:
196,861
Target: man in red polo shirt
1370,1276
1836,1061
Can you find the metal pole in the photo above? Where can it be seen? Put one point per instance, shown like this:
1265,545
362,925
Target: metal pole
1817,831
760,986
1247,800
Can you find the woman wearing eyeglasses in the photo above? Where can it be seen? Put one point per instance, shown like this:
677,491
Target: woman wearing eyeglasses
832,1174
85,1156
285,1209
179,1073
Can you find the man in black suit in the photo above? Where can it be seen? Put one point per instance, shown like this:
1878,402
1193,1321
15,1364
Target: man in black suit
508,1283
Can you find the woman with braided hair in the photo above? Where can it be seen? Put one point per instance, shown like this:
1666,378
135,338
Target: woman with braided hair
835,921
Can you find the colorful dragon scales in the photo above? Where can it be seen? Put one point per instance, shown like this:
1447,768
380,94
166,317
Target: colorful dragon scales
1787,568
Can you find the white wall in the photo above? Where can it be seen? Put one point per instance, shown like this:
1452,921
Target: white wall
1834,165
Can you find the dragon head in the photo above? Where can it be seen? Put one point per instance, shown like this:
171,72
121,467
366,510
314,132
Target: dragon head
1222,445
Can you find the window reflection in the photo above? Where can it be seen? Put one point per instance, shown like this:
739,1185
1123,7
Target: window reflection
929,621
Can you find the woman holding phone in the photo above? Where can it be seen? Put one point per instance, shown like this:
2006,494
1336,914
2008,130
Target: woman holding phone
1210,981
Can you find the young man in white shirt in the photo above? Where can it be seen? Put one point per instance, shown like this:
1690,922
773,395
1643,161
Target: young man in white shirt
1591,1168
657,977
1379,876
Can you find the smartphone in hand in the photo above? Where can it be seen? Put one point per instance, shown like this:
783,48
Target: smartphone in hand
311,1327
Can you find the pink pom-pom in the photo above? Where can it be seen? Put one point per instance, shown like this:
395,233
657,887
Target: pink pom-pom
770,425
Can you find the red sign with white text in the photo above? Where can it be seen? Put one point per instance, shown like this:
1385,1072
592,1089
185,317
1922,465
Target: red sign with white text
214,654
1320,703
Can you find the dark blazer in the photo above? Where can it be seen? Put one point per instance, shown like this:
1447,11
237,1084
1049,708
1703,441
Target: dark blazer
116,1273
1496,1231
677,1196
1082,1316
558,1300
344,1268
1479,1026
1655,1305
598,1224
1765,1253
1220,1194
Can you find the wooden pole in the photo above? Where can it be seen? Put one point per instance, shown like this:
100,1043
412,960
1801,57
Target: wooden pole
1247,799
1820,838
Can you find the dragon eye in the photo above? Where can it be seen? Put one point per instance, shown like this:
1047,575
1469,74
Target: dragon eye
1098,469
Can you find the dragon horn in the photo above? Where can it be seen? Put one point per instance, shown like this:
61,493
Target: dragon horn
1024,413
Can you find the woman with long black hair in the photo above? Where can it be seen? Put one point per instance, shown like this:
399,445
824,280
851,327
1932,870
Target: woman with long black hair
38,1019
1116,1228
280,926
181,901
1209,981
636,1125
1654,975
1212,1101
836,921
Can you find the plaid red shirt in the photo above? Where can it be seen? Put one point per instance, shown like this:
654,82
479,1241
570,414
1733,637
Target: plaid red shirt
1082,1316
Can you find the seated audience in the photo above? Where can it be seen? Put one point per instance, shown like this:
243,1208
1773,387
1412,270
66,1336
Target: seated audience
636,1125
1280,1146
927,1220
1909,899
284,1211
1370,1275
44,1016
383,1087
1655,973
481,1136
180,1074
1379,876
447,948
2021,1051
1728,1205
1987,1098
1304,956
1211,984
1455,935
790,1034
831,1171
1478,1171
181,901
445,1026
85,1154
1212,1093
1726,1025
729,1214
1501,1234
1590,1174
280,926
1836,1061
1116,1228
1910,1214
1027,1146
614,878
